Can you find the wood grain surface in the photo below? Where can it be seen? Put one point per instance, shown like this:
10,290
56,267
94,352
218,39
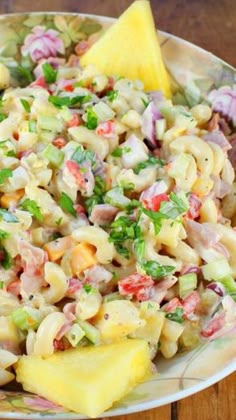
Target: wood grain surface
210,24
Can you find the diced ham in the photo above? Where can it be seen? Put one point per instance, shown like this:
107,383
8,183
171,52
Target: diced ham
69,311
190,303
103,214
159,187
221,188
74,285
214,325
105,129
194,206
32,257
97,274
167,283
219,138
63,330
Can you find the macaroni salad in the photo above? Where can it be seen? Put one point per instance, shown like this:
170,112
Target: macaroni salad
117,215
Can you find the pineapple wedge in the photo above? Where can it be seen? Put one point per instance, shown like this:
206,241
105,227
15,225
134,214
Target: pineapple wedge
86,380
130,48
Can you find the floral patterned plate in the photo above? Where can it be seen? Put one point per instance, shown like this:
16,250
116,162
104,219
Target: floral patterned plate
25,40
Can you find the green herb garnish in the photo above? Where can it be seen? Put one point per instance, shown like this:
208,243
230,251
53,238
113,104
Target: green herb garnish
176,316
151,161
4,234
66,203
5,174
92,119
156,270
60,101
120,151
49,73
32,207
26,105
6,259
112,94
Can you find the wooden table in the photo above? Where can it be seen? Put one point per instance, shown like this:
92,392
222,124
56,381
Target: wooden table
210,24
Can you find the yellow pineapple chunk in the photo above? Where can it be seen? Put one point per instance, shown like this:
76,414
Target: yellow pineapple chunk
86,380
130,48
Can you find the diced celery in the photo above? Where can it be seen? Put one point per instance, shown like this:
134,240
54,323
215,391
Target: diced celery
113,296
46,136
116,198
46,122
103,111
229,283
92,333
54,155
179,165
187,283
75,335
26,318
65,113
216,270
160,128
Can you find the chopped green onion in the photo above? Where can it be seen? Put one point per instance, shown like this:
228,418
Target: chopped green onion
32,207
187,283
89,288
5,174
11,153
26,105
176,316
24,74
66,203
50,74
145,103
98,194
26,318
54,155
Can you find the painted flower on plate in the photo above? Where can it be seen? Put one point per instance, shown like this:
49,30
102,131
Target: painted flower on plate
42,43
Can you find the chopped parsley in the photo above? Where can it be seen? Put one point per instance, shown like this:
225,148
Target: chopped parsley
139,248
66,203
151,161
98,194
89,288
49,73
112,94
156,270
123,229
5,173
168,210
32,207
145,103
80,155
6,258
2,116
176,316
23,74
26,105
92,119
4,234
